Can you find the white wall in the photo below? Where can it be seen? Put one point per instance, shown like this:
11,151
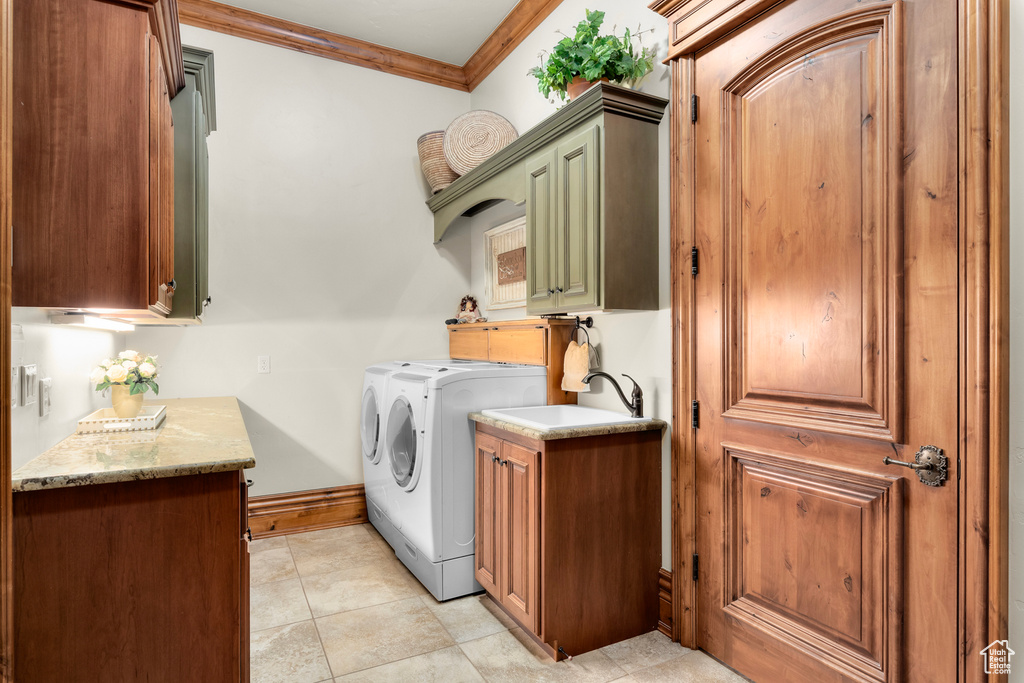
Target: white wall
1016,634
66,355
637,343
321,253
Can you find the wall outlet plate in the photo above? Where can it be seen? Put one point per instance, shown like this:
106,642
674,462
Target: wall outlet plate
15,386
29,385
263,365
44,396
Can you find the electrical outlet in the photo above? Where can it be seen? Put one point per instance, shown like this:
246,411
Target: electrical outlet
15,386
29,385
263,365
44,396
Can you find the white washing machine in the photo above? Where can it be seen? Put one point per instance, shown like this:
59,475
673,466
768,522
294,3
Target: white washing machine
429,448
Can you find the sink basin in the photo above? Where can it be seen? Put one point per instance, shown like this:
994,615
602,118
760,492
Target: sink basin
546,418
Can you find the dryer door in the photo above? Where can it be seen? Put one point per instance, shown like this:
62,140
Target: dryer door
402,443
369,425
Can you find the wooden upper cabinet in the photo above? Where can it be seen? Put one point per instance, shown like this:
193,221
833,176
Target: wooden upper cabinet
93,154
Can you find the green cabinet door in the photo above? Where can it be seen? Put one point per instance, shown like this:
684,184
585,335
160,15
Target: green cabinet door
579,221
540,233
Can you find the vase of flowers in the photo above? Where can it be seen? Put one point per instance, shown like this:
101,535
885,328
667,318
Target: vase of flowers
575,63
129,377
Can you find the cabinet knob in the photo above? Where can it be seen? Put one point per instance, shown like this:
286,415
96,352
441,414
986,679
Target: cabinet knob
494,458
558,289
551,291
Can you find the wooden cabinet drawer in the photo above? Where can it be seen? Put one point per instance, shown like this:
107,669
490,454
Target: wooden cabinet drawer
517,346
468,344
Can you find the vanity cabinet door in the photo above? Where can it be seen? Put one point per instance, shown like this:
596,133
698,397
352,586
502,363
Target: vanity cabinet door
488,487
578,221
520,543
541,221
468,344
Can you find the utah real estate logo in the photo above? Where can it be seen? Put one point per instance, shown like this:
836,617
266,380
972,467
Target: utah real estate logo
997,657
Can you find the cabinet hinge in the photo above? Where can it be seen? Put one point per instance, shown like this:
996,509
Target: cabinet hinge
694,100
695,414
693,261
696,564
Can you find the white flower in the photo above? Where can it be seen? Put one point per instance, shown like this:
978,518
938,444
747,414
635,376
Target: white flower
129,364
97,375
117,373
129,355
147,370
106,363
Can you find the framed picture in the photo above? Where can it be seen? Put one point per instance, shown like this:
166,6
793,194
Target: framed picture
505,264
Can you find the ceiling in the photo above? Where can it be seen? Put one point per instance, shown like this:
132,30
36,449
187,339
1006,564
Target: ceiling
446,30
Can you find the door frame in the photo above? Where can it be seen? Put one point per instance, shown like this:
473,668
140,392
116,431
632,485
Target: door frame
983,116
6,513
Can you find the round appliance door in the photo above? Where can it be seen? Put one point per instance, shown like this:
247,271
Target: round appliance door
401,442
369,426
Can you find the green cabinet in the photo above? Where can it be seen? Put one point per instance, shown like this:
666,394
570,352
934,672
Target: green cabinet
563,237
195,118
588,176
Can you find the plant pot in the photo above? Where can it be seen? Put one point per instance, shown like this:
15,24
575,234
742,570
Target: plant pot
580,85
124,404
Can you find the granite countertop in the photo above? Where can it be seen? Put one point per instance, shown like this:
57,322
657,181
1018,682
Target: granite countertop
567,433
199,436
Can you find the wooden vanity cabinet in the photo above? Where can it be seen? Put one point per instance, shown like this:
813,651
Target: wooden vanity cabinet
568,534
133,581
93,147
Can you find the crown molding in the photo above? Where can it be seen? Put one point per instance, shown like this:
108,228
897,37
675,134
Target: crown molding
243,23
511,32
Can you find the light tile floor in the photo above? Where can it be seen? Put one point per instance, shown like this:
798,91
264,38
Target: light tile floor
336,605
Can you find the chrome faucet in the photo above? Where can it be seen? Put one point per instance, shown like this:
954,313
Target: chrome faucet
636,407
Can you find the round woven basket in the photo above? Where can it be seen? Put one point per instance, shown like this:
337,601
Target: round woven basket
431,150
473,137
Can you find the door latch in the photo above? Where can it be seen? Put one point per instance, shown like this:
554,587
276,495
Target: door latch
929,463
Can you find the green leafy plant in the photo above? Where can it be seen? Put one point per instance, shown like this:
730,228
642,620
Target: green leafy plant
130,368
593,57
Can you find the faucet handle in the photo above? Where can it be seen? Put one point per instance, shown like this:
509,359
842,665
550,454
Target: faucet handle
637,407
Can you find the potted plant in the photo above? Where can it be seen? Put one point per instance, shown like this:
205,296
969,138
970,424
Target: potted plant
128,376
577,62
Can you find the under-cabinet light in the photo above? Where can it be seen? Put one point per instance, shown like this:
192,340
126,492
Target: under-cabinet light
82,320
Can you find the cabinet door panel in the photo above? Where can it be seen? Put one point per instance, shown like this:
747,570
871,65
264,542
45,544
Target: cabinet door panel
521,534
488,485
517,346
468,344
579,220
541,208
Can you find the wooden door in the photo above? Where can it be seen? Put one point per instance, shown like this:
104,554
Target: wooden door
826,320
161,186
488,487
579,221
520,534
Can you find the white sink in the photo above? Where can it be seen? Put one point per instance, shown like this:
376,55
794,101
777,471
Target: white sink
547,418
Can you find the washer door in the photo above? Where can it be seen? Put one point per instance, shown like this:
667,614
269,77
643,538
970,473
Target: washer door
402,443
369,426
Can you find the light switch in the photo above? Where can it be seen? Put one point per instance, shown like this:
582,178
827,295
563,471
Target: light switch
29,385
44,396
15,386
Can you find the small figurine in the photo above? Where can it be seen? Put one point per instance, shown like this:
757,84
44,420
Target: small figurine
469,312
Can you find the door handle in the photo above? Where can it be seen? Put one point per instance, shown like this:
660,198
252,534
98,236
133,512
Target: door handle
931,466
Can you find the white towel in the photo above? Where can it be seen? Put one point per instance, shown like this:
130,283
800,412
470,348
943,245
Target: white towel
575,367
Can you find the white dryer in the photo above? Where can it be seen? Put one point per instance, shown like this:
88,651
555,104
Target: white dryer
372,422
429,447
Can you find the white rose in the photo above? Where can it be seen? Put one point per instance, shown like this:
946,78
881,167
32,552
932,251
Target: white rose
129,364
97,375
147,370
106,363
128,354
117,374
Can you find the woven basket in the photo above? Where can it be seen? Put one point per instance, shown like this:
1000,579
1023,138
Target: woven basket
473,137
431,149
